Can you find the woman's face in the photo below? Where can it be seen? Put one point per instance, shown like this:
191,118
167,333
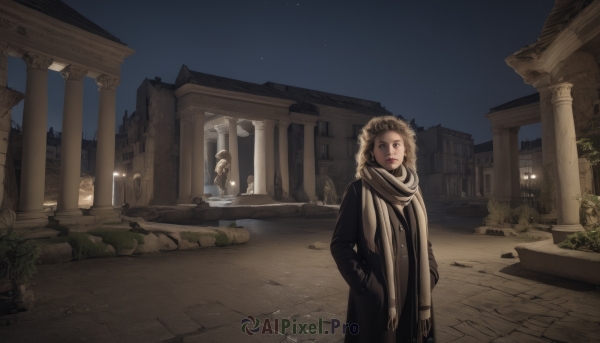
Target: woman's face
389,150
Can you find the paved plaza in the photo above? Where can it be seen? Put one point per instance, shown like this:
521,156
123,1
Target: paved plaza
203,295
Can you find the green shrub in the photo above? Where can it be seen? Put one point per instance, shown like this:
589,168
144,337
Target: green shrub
524,215
119,239
18,256
585,241
82,246
591,203
499,213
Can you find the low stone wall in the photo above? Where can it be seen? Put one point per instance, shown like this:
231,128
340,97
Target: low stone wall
546,257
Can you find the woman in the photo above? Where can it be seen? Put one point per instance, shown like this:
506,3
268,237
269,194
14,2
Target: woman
393,271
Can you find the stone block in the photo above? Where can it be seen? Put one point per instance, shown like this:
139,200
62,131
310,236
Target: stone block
176,216
213,213
151,244
165,243
55,253
236,235
207,241
127,252
186,245
268,213
546,257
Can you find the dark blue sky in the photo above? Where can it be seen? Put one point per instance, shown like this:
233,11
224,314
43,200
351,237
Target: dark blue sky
436,61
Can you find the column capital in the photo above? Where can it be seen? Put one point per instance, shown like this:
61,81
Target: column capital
231,119
107,82
309,124
514,129
72,73
37,61
222,128
561,92
9,98
283,124
259,124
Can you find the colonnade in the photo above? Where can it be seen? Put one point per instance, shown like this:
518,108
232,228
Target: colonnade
191,163
559,152
35,118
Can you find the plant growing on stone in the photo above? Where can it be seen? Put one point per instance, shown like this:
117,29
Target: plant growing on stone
588,148
119,239
82,246
548,191
499,213
524,216
585,241
17,257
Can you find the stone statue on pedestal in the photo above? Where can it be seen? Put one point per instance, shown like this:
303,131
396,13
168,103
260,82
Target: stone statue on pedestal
222,170
250,182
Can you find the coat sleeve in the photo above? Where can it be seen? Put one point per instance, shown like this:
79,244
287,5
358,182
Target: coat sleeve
435,276
345,237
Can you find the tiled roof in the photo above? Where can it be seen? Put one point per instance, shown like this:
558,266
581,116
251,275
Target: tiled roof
526,100
329,99
562,13
59,10
198,78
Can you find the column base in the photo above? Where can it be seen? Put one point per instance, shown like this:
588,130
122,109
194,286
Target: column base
561,231
31,219
94,211
313,200
68,214
183,201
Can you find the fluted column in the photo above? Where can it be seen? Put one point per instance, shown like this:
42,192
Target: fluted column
260,180
197,172
105,145
70,161
283,158
309,161
270,157
35,118
185,158
234,174
567,163
501,188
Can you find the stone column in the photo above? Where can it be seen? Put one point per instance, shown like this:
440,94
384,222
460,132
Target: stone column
197,172
222,131
8,99
260,179
515,175
70,161
567,165
547,113
185,158
234,174
283,158
270,158
35,118
309,161
501,188
105,145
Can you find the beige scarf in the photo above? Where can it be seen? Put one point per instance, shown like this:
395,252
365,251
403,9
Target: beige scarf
383,191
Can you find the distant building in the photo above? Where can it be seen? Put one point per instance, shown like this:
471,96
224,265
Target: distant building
445,162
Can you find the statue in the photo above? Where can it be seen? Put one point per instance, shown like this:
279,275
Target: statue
222,170
250,182
329,195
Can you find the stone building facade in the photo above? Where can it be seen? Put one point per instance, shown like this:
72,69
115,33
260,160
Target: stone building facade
49,35
291,139
445,162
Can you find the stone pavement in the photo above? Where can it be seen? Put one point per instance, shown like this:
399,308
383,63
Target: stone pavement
203,295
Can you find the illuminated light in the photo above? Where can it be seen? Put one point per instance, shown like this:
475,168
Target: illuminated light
232,183
124,175
526,177
116,174
533,176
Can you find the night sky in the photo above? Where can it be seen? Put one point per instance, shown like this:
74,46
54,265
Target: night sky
436,61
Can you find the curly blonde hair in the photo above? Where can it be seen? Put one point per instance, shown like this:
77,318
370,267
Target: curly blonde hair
378,125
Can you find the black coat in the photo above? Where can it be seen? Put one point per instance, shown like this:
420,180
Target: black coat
364,272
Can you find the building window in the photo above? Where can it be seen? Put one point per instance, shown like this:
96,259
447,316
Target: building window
323,128
455,166
324,152
356,130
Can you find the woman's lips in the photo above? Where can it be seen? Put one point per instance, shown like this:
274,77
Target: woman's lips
391,160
